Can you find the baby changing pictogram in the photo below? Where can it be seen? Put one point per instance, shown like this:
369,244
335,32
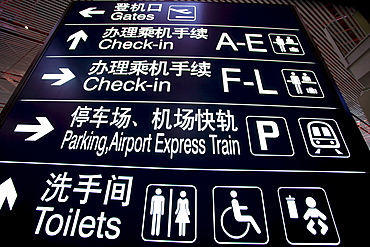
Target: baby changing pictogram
307,216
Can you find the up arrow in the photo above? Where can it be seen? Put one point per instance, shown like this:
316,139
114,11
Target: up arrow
41,129
90,11
66,76
7,191
76,37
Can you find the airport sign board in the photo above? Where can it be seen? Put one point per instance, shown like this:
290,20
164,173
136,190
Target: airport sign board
183,123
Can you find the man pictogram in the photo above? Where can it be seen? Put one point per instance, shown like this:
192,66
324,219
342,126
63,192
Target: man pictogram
296,82
156,210
280,42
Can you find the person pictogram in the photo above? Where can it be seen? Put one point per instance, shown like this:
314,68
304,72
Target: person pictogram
239,215
306,78
237,210
182,212
280,42
307,216
286,44
296,82
170,213
313,213
289,40
157,210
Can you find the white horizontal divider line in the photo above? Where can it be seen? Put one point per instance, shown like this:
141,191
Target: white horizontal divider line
182,168
172,24
180,57
175,102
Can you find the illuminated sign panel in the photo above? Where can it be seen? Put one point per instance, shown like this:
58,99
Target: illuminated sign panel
183,123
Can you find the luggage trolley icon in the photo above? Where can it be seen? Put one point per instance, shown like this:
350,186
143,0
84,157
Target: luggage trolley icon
322,135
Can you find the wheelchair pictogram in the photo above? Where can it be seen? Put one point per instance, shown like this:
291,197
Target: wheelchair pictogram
239,215
226,232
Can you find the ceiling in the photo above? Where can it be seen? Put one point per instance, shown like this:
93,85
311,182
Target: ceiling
24,26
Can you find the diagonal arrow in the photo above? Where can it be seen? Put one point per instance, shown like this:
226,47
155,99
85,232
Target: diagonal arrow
62,78
91,11
41,129
7,191
76,37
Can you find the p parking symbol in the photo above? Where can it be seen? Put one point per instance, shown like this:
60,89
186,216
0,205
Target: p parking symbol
269,136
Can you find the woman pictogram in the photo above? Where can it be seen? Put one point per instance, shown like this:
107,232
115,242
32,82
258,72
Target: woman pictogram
182,212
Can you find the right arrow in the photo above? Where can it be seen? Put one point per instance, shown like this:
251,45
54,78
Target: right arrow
41,129
66,76
7,191
76,37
